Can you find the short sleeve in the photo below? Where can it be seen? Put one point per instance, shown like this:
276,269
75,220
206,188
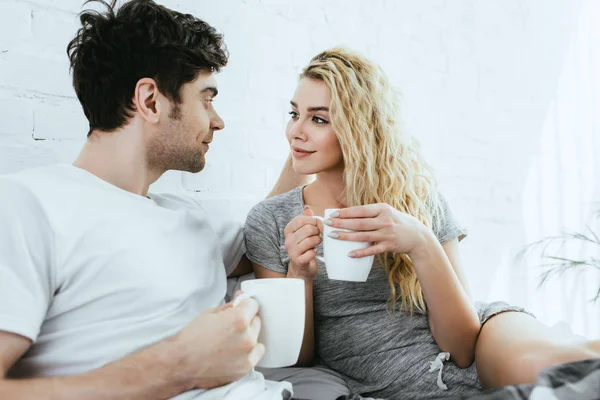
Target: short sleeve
27,261
229,230
445,226
263,240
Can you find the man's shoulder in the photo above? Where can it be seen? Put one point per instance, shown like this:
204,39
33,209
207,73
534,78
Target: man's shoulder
26,195
28,181
35,178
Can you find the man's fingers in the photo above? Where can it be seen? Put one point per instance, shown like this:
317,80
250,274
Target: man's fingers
236,294
254,329
257,354
222,307
248,308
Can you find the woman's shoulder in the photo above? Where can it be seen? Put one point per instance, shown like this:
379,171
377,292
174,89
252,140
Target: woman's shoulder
279,208
445,225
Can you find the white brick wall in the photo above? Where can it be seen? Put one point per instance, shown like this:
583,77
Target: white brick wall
481,84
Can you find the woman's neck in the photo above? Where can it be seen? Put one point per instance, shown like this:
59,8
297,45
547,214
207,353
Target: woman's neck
327,191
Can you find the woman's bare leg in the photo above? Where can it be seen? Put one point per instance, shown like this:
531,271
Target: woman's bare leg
514,347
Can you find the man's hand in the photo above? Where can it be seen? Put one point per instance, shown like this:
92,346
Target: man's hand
220,346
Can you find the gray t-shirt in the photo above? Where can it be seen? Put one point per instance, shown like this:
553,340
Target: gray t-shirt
380,354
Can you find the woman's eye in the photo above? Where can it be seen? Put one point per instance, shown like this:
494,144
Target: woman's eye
293,114
320,120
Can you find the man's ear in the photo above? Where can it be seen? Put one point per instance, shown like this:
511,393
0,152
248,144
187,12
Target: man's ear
147,101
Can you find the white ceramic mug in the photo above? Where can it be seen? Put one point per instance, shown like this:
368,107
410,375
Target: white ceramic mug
338,264
282,313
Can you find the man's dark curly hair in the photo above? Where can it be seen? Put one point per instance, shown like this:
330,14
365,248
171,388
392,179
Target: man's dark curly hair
115,49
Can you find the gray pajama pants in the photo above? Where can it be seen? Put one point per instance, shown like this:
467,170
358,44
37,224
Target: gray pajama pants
315,383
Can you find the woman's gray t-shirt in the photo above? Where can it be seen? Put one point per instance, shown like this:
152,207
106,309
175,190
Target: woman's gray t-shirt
380,354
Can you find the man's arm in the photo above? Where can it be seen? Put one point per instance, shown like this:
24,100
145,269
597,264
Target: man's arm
146,375
289,179
218,347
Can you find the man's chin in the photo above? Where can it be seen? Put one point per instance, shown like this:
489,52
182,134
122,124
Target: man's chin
194,168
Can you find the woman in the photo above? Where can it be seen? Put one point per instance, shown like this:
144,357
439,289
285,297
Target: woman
383,335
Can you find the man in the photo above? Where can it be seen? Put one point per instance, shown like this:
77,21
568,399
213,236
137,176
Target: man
106,291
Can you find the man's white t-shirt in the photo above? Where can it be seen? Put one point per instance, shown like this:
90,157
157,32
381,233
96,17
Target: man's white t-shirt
91,273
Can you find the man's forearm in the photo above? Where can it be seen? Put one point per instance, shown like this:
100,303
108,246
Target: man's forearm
148,374
289,179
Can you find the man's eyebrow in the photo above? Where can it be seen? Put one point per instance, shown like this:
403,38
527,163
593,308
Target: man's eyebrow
212,89
311,109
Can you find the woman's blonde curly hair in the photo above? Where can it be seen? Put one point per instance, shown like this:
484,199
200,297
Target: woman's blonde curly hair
382,164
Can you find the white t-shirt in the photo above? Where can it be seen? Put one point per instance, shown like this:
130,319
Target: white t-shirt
90,272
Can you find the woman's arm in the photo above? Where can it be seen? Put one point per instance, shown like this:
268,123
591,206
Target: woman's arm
453,253
452,317
308,342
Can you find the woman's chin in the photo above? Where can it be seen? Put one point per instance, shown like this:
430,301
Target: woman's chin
304,169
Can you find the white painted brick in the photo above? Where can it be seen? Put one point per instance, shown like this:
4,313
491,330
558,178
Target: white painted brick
214,177
60,119
231,141
169,182
53,30
267,143
69,6
41,75
17,117
15,23
20,154
248,177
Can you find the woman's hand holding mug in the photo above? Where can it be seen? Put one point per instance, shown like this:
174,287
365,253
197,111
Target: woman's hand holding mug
302,235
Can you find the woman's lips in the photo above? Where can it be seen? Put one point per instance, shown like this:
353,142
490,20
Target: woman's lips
299,153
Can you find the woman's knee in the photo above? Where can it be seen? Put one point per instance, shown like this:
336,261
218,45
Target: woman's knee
524,362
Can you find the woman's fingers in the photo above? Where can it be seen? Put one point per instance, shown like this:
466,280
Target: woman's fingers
368,211
357,224
305,232
307,257
370,236
308,243
299,222
369,251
